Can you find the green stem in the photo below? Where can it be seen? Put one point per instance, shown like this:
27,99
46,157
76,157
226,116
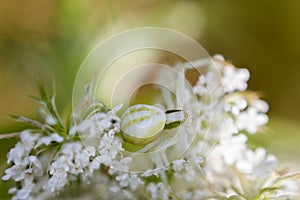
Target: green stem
9,135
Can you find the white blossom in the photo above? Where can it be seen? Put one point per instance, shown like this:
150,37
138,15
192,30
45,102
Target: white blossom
16,172
129,179
231,148
205,84
229,128
219,58
257,163
260,105
109,148
158,191
28,139
217,163
178,165
98,123
74,159
57,181
26,189
50,120
16,154
235,79
121,193
235,104
29,165
250,120
46,140
120,165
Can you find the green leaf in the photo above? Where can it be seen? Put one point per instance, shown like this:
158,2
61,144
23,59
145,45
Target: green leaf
35,123
37,99
49,104
43,92
28,121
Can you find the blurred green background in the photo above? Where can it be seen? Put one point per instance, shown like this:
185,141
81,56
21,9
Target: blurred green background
47,40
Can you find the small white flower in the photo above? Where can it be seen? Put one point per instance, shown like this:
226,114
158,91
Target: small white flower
95,164
61,163
231,148
57,138
135,182
123,179
235,79
15,173
81,161
120,165
110,146
219,58
260,105
73,159
257,163
28,139
16,154
235,104
50,120
131,180
29,165
23,193
57,181
70,149
35,166
97,123
26,189
250,120
158,191
12,190
205,84
229,128
46,140
178,165
121,192
77,157
100,121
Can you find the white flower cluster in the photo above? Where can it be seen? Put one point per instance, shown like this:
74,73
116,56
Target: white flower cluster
89,155
27,167
44,165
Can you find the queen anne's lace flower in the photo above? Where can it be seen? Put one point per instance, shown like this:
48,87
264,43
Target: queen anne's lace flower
129,180
232,148
251,119
257,163
235,79
90,156
158,191
205,84
235,104
178,165
48,139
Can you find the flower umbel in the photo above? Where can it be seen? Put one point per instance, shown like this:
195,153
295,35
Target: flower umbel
91,155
